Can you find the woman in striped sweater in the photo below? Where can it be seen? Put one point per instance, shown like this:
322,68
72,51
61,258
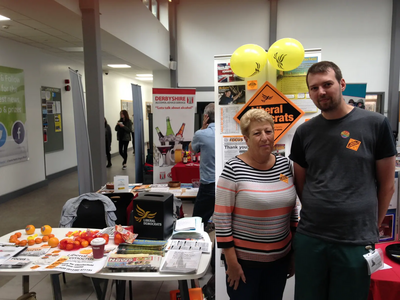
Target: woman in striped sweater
255,213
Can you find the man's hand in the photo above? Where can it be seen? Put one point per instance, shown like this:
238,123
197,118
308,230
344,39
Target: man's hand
205,120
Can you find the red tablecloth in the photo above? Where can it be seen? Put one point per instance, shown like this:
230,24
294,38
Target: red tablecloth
185,172
385,284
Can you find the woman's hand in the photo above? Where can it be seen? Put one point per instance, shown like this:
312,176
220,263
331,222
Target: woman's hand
291,268
235,273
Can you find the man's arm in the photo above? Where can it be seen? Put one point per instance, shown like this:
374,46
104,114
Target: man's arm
385,169
299,179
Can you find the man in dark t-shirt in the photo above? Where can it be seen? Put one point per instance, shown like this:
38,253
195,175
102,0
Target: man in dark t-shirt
344,163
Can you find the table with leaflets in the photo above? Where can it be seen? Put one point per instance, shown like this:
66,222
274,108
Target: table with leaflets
100,276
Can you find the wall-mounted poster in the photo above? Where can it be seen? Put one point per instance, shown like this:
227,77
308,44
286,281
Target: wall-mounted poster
52,121
232,94
225,73
13,135
355,93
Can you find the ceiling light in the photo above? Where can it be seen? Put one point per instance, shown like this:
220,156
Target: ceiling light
3,18
144,75
72,49
121,66
144,78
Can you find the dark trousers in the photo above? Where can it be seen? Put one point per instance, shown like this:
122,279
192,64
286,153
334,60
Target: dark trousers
205,202
264,283
108,153
133,141
329,271
123,150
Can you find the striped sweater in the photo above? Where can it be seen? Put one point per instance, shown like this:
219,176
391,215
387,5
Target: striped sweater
255,209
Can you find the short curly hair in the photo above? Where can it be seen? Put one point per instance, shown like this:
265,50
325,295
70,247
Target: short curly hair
256,114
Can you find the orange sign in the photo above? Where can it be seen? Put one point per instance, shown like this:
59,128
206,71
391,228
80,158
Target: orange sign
252,85
284,111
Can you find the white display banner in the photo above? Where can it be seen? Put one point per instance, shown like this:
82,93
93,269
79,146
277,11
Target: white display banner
173,127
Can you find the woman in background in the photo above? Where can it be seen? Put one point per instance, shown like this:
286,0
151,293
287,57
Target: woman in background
108,142
123,129
255,214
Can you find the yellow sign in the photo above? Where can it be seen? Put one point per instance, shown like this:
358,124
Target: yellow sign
57,123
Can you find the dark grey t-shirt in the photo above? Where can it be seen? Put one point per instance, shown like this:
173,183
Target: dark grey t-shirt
339,201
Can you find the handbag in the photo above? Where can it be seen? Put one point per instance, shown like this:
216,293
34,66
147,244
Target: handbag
28,296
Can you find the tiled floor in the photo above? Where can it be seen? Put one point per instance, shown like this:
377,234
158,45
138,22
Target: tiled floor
43,206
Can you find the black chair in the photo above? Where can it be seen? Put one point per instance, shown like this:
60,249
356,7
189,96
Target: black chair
121,202
90,214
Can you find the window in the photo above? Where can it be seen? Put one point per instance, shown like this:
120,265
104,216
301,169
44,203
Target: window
153,6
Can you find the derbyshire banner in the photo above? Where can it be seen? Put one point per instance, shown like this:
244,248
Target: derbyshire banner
13,136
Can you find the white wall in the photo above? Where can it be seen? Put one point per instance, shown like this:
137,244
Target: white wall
207,28
353,34
117,88
133,23
39,70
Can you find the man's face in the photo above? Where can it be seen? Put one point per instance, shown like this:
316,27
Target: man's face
228,93
325,91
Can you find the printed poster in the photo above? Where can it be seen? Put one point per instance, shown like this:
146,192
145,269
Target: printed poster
293,83
57,123
173,127
355,93
13,135
232,94
225,73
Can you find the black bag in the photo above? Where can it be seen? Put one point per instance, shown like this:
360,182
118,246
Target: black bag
90,214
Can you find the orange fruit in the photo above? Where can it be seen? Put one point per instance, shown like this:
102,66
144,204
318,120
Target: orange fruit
18,234
38,240
31,242
30,229
84,243
45,238
53,242
23,243
46,229
69,247
17,242
51,235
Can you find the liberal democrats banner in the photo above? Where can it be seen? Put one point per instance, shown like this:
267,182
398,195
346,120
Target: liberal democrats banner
13,137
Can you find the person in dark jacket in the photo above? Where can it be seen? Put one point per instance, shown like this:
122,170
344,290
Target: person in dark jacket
124,129
108,142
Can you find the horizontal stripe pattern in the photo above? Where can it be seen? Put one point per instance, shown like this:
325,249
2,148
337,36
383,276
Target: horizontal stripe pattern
255,209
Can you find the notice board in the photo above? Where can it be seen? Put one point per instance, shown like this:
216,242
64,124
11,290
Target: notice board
52,119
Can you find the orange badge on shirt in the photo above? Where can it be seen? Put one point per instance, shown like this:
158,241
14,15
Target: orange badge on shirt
284,178
353,144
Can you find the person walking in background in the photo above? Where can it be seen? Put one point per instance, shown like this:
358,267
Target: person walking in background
108,142
123,129
255,214
344,164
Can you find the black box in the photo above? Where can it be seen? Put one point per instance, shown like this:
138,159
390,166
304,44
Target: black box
153,215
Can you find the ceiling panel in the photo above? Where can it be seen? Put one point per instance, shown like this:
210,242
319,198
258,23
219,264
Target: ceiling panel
33,24
12,14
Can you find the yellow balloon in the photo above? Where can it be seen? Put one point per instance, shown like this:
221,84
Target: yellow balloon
248,60
286,54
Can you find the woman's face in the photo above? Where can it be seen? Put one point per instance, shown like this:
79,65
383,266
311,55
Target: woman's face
261,138
121,115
